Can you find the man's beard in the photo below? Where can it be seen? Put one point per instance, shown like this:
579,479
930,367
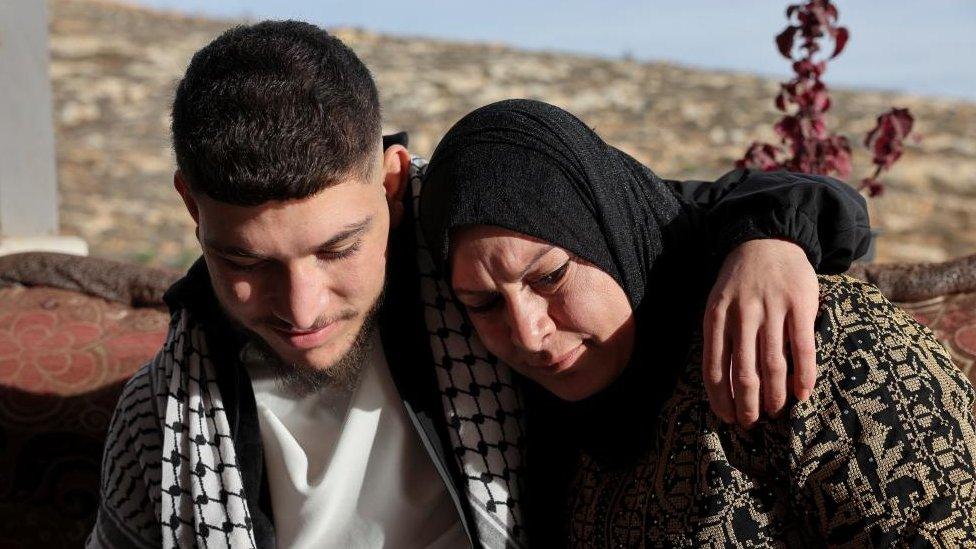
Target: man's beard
302,378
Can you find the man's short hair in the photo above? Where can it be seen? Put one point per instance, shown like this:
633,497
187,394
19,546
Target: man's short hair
278,110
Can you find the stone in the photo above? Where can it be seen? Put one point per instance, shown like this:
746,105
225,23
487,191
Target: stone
114,68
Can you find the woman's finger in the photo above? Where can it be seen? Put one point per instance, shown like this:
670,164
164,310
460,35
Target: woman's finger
803,349
745,376
715,363
773,361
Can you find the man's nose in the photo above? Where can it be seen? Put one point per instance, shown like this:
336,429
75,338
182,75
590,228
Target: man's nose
302,297
529,322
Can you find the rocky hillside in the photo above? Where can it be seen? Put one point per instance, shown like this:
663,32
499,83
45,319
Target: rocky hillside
114,68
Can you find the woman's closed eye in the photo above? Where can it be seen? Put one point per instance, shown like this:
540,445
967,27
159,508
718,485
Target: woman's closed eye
546,282
553,278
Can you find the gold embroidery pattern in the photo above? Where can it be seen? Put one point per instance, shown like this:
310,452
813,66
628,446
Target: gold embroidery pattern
882,454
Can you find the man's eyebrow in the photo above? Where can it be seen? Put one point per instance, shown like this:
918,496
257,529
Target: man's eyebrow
230,250
349,231
535,259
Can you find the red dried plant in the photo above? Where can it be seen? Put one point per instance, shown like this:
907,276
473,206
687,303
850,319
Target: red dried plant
806,145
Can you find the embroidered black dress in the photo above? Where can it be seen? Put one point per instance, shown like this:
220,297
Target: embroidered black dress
883,453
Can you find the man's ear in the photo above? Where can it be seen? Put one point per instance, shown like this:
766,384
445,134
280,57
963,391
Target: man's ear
396,180
184,189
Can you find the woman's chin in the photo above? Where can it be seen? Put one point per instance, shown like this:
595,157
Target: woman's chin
576,387
572,394
584,377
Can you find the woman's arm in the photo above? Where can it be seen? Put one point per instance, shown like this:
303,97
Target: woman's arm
769,231
824,216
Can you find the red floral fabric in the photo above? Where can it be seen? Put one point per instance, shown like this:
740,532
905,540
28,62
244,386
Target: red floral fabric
63,359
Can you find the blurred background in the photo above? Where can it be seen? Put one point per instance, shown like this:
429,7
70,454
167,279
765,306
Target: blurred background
683,86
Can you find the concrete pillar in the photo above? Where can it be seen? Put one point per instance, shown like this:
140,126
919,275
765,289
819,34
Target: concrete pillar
28,175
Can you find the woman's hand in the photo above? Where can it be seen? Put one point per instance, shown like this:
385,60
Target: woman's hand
763,305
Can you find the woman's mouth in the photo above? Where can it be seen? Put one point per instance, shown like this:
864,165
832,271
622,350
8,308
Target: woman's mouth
563,362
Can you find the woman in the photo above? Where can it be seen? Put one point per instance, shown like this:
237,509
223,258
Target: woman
582,270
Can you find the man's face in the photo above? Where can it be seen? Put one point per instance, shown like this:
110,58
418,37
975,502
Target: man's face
301,274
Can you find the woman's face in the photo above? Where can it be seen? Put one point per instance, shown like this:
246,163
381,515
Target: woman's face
555,318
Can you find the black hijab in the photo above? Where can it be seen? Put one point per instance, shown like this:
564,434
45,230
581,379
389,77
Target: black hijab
536,169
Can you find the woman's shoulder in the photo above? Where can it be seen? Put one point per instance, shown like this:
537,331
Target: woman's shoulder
855,318
842,296
859,330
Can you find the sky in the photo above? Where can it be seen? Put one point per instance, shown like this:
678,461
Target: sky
922,47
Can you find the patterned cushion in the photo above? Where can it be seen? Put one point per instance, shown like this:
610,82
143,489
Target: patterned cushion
63,358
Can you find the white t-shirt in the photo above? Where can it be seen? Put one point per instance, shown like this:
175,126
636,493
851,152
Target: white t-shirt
346,468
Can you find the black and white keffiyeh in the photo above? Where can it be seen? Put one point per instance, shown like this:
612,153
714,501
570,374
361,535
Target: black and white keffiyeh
171,434
171,475
483,408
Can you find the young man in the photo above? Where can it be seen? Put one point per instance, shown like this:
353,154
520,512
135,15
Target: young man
291,403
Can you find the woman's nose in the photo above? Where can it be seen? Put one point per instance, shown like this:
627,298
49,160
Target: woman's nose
529,322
